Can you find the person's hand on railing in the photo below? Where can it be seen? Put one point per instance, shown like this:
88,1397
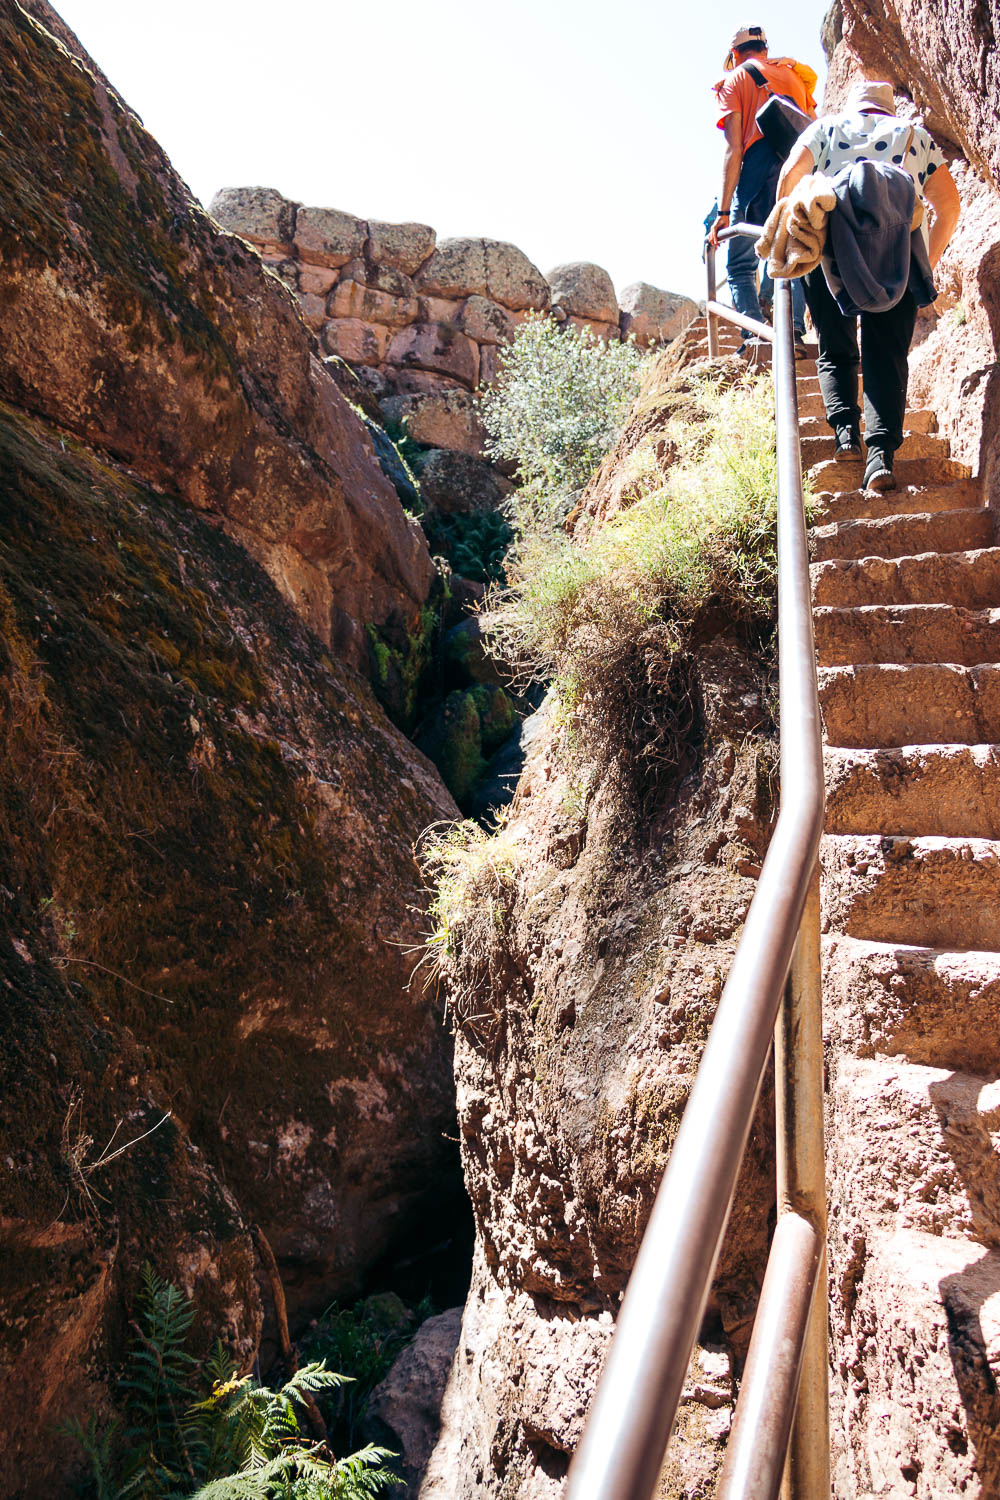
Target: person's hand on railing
721,221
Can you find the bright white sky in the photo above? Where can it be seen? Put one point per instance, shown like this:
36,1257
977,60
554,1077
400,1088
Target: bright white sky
578,130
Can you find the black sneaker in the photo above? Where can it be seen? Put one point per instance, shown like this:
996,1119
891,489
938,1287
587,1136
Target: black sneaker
878,471
848,440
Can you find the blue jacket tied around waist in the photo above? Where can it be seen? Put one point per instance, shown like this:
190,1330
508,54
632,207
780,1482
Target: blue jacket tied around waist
872,256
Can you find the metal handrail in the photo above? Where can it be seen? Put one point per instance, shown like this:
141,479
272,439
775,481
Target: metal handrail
775,968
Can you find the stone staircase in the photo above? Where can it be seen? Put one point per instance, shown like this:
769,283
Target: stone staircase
906,592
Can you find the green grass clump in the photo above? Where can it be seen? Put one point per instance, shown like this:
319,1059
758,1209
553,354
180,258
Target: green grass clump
471,872
609,616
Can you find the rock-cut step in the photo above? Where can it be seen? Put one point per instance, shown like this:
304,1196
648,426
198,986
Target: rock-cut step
853,505
897,535
813,423
932,891
941,1132
816,447
929,1005
971,579
948,790
880,705
906,633
921,1346
846,474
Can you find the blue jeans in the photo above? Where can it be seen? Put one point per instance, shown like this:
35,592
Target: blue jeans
755,196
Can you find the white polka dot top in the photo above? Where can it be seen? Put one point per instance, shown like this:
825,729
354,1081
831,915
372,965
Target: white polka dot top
840,140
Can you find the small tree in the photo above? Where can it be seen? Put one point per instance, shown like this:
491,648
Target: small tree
559,398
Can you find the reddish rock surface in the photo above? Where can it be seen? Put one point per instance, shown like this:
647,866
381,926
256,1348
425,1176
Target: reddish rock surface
130,320
206,822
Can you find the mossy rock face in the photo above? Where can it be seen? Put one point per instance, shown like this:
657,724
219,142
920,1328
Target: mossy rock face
132,321
207,899
498,716
453,741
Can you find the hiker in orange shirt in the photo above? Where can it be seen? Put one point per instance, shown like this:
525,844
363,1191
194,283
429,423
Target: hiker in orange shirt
750,166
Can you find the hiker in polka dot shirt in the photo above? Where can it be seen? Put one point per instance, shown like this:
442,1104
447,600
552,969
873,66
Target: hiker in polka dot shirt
869,130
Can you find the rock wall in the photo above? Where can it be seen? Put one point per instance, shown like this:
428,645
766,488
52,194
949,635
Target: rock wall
208,898
421,321
942,63
131,321
583,989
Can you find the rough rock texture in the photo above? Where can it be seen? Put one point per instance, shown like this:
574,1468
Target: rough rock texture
585,289
204,910
583,981
130,320
652,316
404,1410
445,419
587,994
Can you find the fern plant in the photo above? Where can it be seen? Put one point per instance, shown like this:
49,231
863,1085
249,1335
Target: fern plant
241,1441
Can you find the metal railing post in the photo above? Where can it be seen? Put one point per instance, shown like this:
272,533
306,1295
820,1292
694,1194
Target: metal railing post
801,1171
711,318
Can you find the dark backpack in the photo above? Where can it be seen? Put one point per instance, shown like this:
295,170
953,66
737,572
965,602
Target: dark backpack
780,120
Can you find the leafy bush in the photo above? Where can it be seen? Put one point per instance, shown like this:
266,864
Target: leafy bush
364,1339
240,1441
608,615
475,545
559,398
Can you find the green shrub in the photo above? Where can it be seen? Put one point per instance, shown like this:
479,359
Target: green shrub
364,1339
607,615
475,545
559,398
239,1441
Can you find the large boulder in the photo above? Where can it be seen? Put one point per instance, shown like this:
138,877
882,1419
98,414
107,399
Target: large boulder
350,299
134,323
438,419
359,343
399,247
652,316
454,483
404,1411
584,289
457,268
486,268
259,214
437,348
512,279
327,237
485,321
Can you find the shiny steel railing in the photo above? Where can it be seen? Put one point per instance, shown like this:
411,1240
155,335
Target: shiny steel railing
780,1435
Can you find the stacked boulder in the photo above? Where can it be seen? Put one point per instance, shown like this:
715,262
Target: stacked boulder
421,321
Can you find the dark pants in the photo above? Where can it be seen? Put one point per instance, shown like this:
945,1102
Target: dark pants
885,344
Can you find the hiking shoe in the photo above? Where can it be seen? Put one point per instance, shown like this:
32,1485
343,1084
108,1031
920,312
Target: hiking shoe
766,310
848,440
878,471
750,346
801,352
